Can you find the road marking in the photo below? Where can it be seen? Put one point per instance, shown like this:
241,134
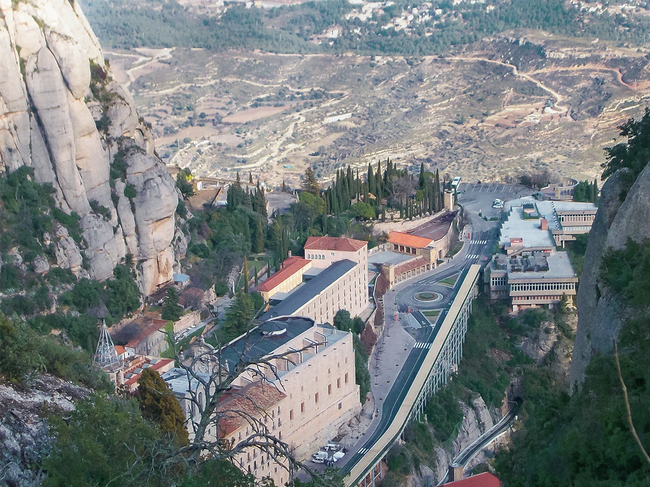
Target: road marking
363,451
478,242
422,345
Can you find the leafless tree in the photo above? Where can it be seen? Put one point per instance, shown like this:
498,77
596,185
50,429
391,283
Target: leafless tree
211,376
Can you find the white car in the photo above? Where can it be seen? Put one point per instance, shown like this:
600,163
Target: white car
497,204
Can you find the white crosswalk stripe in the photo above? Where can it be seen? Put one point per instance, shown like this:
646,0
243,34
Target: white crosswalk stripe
422,345
478,242
363,451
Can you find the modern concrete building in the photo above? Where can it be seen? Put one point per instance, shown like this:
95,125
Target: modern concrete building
529,271
302,396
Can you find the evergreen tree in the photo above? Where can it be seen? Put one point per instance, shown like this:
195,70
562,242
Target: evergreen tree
421,177
310,182
158,404
250,177
258,246
245,275
378,189
371,180
172,311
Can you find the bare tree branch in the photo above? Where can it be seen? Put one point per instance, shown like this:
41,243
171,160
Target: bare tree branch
627,406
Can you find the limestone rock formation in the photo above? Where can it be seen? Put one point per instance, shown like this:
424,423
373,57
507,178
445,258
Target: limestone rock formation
24,434
600,312
63,115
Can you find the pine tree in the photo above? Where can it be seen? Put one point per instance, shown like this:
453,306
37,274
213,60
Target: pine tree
310,182
250,177
159,404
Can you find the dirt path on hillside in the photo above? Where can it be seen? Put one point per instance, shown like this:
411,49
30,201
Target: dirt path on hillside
619,75
558,98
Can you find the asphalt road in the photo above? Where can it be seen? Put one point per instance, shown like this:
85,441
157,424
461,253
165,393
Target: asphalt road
479,237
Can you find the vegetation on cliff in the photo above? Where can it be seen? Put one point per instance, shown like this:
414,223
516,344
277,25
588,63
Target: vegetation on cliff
585,439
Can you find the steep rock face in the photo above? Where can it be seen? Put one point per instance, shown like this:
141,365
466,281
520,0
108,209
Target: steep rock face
24,433
476,421
62,115
600,312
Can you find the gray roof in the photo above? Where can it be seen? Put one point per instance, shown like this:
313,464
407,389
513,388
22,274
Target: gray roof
305,293
264,339
558,266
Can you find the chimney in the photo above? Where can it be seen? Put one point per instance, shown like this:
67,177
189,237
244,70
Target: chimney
455,472
289,253
543,224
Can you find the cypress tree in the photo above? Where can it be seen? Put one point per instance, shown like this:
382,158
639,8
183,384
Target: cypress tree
421,178
378,176
371,180
245,275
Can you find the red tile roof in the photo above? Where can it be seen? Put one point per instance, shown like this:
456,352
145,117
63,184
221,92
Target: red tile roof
253,400
119,349
485,479
408,240
409,265
290,267
334,243
160,363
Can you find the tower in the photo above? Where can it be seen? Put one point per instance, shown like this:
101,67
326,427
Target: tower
106,355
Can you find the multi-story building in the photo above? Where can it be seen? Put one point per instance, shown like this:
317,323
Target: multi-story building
324,251
430,240
342,285
286,279
529,271
301,396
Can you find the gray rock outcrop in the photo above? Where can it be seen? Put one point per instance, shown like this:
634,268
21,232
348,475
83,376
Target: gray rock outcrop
24,434
601,312
63,115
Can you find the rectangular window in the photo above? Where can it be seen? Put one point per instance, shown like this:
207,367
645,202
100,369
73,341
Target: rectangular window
338,383
329,389
302,407
316,398
340,405
291,415
346,378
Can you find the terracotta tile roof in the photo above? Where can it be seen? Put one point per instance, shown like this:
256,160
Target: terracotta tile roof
408,240
409,265
160,363
334,243
291,266
252,400
485,479
119,349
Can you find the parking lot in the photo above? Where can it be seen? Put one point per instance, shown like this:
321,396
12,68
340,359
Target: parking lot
479,197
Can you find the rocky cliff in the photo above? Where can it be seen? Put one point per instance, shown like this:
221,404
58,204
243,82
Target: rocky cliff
600,312
63,115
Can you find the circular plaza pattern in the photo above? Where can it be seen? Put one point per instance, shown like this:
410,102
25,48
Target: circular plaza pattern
428,297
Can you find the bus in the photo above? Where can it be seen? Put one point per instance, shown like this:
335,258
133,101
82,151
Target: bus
455,183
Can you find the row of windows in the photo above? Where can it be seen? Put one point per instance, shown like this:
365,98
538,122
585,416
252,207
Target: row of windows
543,286
576,218
536,298
499,281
